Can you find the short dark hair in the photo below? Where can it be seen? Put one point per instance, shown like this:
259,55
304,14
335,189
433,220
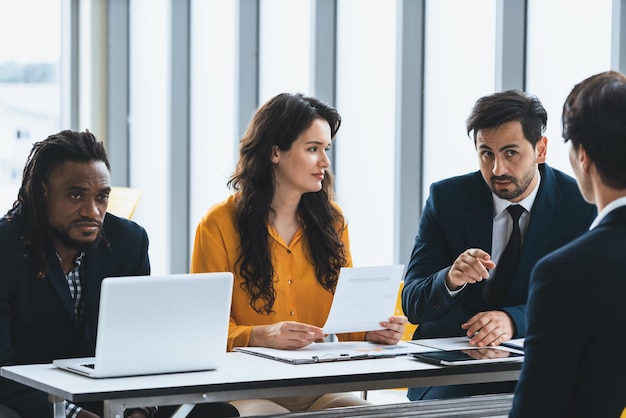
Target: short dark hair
594,117
512,105
44,158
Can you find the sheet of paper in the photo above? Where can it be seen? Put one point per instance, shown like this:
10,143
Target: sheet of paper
516,343
334,351
460,343
364,297
448,343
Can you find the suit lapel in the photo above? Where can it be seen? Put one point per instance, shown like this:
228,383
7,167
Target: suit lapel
479,218
96,268
545,215
58,281
478,233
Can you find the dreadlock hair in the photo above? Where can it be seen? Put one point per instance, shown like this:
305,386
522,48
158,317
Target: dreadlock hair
279,122
30,207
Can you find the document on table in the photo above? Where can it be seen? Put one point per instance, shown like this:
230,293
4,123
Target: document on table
516,343
364,297
447,343
334,351
460,343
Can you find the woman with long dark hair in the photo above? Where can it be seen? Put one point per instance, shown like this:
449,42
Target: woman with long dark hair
284,238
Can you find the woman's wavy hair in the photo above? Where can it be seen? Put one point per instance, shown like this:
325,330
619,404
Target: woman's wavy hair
30,207
278,123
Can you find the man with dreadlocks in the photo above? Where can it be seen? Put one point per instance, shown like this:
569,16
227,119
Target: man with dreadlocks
57,243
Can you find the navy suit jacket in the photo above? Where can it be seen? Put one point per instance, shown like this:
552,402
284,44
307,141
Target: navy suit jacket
575,349
37,320
459,215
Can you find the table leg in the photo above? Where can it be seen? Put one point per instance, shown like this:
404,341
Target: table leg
58,406
183,411
113,409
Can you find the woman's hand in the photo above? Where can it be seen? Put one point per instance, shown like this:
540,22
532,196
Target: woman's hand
392,332
286,335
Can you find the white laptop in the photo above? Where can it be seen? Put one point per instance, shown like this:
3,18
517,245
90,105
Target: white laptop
159,324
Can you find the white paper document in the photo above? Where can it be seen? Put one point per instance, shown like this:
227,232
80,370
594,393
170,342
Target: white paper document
461,343
516,343
364,297
334,351
449,343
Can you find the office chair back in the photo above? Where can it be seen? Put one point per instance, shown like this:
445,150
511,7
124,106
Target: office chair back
123,201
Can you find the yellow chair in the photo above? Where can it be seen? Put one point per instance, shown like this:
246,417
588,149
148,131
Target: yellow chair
123,201
409,328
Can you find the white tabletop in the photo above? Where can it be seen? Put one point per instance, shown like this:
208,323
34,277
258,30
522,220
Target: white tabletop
245,376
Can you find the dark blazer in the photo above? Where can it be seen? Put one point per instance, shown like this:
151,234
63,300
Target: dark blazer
37,321
575,349
459,215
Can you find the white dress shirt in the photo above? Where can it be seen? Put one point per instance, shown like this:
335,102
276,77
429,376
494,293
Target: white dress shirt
503,226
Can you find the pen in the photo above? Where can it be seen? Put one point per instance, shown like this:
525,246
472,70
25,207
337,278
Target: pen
330,357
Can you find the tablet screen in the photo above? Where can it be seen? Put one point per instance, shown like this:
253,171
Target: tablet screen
468,356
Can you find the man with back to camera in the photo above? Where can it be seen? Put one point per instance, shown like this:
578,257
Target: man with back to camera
574,362
452,285
57,244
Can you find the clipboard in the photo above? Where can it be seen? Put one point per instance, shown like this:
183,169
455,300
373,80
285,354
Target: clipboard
325,352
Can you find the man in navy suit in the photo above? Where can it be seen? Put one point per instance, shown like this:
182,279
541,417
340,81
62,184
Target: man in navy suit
575,344
465,227
57,244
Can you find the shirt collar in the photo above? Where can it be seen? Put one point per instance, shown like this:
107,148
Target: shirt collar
500,204
77,261
619,202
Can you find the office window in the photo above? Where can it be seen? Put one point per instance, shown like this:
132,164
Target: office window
149,123
30,94
365,145
459,68
214,146
577,45
284,48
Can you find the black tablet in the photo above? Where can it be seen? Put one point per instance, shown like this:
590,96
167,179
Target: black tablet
468,356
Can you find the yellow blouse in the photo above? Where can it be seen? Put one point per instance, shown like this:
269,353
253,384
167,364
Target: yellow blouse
299,296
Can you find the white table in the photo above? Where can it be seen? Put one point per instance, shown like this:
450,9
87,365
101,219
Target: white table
244,376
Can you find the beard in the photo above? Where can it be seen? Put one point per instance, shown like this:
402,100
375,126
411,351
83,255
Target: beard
64,238
520,185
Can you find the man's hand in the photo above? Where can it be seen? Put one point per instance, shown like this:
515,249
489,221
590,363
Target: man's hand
489,328
392,332
286,335
469,267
